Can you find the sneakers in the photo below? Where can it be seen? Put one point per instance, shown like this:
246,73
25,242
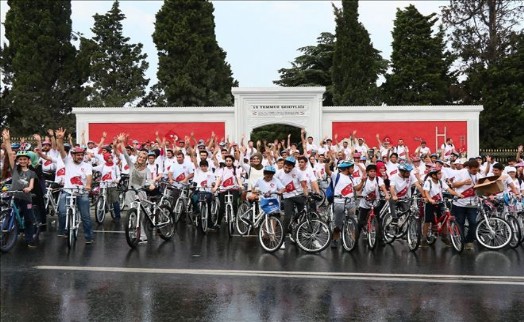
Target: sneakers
469,246
89,242
283,246
317,244
31,244
61,235
334,243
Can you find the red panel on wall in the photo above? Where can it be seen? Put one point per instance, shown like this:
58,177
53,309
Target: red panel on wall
411,131
146,131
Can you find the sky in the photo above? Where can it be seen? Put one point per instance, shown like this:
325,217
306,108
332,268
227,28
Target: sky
259,37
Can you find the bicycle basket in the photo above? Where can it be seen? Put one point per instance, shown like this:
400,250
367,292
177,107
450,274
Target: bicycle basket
270,205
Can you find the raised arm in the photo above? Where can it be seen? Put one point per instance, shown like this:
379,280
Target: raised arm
60,142
7,142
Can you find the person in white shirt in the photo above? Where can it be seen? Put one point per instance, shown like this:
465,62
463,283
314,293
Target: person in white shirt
509,185
307,172
228,180
434,187
203,181
401,150
447,148
400,188
422,150
392,165
110,176
370,190
268,185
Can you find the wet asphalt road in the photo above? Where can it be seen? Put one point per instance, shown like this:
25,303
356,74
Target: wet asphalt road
213,278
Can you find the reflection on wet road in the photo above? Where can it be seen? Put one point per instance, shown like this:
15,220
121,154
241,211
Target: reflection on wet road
196,277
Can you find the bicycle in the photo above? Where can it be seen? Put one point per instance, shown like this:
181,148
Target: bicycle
229,213
510,214
310,233
167,198
408,224
183,203
492,232
201,219
371,228
158,217
264,215
73,218
122,189
349,226
446,223
50,202
11,222
101,205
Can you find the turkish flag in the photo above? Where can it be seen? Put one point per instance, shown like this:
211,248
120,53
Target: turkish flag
77,180
107,177
436,197
290,187
356,174
402,192
203,183
180,177
371,196
469,192
47,162
126,167
60,172
228,182
347,190
393,172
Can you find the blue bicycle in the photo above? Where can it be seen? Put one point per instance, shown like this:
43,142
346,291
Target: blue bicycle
10,221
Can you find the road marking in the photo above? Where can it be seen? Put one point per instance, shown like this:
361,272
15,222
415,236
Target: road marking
109,231
426,278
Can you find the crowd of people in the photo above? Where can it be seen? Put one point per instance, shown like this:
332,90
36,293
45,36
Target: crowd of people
251,170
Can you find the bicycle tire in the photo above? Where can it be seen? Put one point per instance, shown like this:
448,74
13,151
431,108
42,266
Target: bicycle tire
502,233
516,233
413,233
204,220
243,212
431,238
122,200
132,228
100,210
271,234
389,233
167,231
349,234
373,233
9,234
230,222
313,236
70,230
179,208
455,236
214,212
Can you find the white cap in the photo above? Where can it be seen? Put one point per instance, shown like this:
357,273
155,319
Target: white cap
510,169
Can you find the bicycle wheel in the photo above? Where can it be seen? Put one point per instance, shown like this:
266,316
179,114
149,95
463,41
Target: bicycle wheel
389,231
166,228
313,236
132,228
373,232
122,200
71,236
100,212
493,233
413,233
214,212
179,209
204,220
349,234
244,210
271,234
230,221
323,200
9,232
432,236
515,229
456,237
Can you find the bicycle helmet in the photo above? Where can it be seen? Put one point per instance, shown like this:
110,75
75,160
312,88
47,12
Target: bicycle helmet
22,154
15,146
290,160
26,146
77,149
151,154
270,169
435,169
345,165
405,167
67,147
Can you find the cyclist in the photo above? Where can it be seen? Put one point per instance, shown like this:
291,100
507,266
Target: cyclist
372,186
23,180
268,184
295,186
228,179
78,174
203,180
400,187
344,186
434,187
110,176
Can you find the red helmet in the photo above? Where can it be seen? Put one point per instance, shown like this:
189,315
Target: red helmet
77,150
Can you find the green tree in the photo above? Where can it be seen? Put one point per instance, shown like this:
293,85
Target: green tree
117,68
313,67
356,64
192,70
419,63
42,76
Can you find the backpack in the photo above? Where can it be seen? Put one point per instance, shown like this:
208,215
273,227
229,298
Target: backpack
330,191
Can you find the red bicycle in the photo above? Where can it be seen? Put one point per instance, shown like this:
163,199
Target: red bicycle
445,224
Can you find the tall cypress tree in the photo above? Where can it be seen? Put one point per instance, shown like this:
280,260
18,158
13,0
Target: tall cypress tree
44,77
420,65
356,64
117,68
192,70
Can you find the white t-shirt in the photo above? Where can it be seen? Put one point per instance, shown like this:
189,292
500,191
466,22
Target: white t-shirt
424,151
204,180
76,174
49,165
320,170
311,147
343,187
60,170
110,175
168,162
401,151
391,169
309,175
268,187
370,191
435,189
181,171
291,181
467,190
228,178
448,149
402,185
